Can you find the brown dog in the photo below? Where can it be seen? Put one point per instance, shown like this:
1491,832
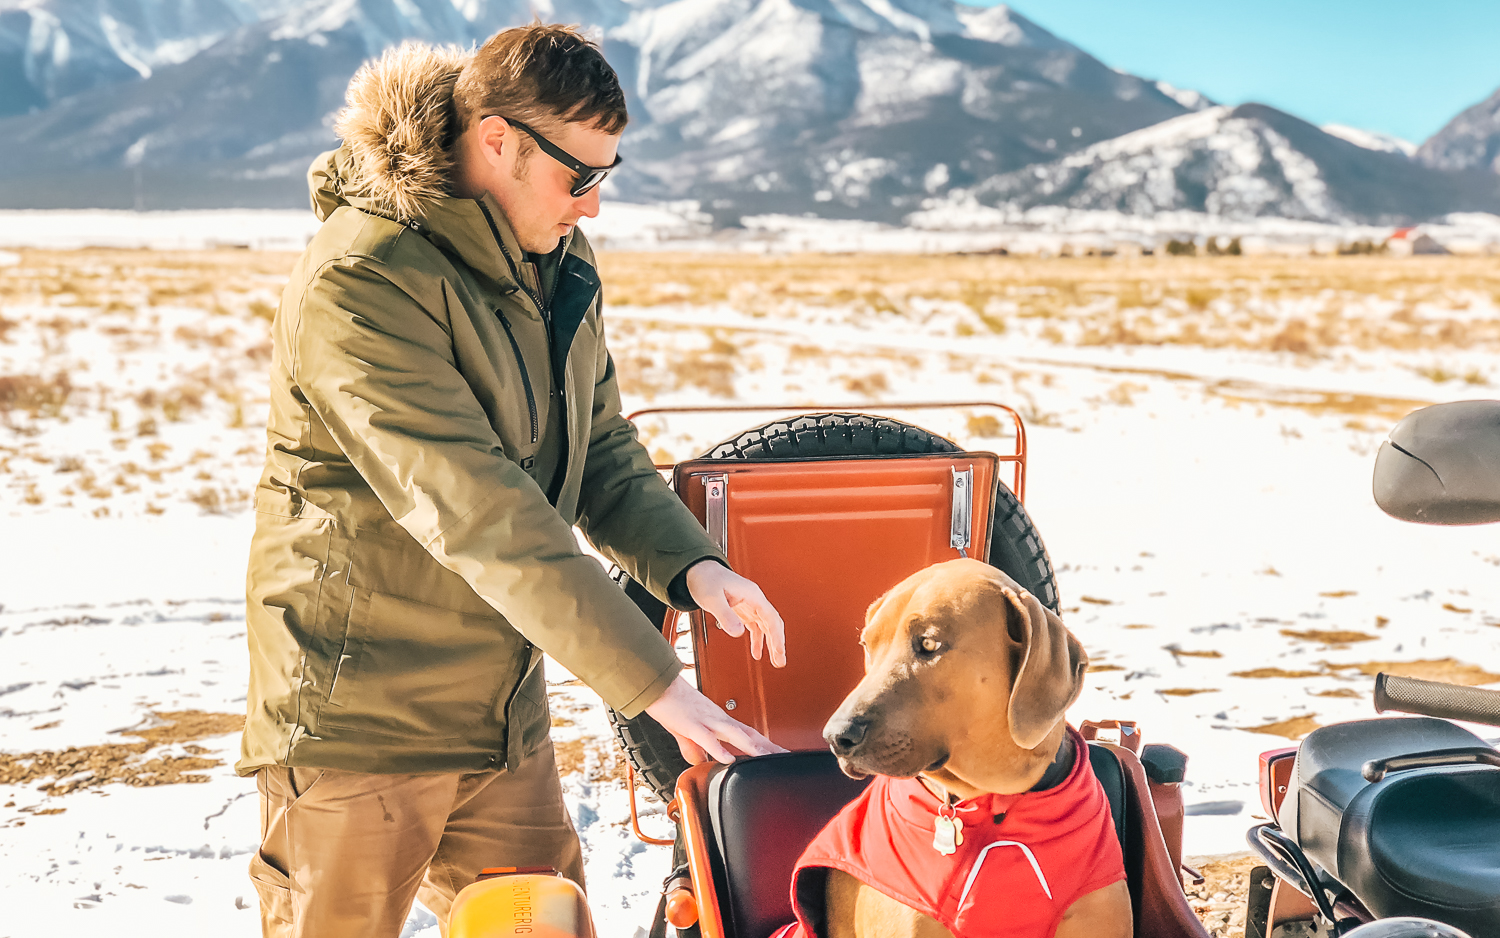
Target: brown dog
967,677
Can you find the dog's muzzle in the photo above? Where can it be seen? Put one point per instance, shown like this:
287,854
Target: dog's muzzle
845,736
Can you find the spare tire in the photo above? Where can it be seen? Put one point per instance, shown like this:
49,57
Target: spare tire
1015,545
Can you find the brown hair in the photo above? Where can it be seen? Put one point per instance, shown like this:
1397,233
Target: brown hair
542,74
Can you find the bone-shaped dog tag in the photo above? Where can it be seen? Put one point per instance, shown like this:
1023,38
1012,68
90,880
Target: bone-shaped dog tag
947,835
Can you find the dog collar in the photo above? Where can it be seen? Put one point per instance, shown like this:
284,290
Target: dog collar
1061,767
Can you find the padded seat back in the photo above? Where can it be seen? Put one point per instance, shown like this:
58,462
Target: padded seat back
764,812
1112,779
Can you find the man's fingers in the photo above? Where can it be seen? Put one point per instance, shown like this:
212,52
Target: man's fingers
731,623
775,637
743,738
691,751
765,623
717,750
754,744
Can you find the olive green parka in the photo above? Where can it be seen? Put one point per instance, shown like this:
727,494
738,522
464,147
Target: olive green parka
406,571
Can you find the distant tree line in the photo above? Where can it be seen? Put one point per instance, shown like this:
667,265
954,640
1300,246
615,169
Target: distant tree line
1211,247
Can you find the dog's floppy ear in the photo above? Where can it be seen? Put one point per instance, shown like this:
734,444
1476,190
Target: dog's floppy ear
875,606
1050,664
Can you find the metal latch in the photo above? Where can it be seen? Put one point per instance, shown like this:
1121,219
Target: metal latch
961,532
716,513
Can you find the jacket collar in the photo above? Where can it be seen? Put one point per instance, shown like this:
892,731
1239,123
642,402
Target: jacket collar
474,230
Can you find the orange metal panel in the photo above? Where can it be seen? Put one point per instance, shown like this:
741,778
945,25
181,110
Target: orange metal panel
823,539
692,797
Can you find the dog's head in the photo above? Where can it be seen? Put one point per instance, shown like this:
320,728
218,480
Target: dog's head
966,676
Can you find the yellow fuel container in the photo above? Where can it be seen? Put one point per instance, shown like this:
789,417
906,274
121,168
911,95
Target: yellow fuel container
520,903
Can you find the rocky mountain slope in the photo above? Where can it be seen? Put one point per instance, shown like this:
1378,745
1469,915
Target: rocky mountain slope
844,107
1252,161
1469,141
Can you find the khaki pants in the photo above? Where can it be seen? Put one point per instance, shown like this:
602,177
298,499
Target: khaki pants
344,853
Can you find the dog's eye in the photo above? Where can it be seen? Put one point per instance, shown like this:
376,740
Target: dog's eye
929,645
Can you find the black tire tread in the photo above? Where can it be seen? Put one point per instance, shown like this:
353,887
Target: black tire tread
651,750
831,436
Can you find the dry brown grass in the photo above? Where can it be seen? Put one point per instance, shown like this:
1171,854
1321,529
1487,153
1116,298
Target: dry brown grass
123,280
1274,672
1333,638
1450,670
1291,728
597,760
1223,302
85,767
80,329
1219,900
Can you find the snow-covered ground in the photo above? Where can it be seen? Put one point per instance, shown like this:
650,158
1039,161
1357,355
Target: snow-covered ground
1207,509
954,224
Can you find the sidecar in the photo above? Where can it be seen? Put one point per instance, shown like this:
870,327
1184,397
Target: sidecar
825,511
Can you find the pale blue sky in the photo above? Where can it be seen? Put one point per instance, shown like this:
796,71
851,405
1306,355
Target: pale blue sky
1404,68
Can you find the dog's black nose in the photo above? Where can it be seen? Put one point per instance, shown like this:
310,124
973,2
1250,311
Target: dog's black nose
846,738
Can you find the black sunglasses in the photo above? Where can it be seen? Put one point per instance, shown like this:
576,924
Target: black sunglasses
588,176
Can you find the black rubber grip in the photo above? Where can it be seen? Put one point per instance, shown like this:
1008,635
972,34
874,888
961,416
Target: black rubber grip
1435,699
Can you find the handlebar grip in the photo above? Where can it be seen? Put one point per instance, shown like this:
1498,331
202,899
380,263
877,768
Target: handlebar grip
1435,699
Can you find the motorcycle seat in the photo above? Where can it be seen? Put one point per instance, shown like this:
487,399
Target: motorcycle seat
1424,842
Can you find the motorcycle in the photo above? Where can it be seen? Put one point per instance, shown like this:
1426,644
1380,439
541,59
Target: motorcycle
1392,826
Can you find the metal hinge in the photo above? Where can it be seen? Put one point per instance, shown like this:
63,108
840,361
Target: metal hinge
961,532
716,511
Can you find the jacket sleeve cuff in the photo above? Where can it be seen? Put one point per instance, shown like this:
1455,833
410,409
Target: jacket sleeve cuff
653,690
677,590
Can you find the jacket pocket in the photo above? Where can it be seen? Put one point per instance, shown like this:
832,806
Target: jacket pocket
527,718
411,670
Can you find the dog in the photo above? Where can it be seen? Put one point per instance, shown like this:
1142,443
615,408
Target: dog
985,818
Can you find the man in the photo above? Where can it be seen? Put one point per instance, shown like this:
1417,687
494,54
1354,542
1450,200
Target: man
443,410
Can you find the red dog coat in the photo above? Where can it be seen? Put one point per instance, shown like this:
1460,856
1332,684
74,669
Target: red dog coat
1024,858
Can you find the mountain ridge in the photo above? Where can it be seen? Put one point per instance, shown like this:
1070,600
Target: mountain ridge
1241,163
867,109
856,108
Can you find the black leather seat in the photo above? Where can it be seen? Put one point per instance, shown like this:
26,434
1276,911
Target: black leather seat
1424,842
764,812
1112,779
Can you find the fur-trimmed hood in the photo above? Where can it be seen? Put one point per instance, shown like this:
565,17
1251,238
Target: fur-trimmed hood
396,126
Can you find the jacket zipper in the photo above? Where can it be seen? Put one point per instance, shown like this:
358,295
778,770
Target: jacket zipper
525,377
559,382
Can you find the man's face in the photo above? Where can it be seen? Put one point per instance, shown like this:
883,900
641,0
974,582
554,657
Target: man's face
533,189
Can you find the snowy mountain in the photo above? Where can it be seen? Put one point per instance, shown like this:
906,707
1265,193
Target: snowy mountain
54,49
852,107
859,108
1469,141
843,108
1247,162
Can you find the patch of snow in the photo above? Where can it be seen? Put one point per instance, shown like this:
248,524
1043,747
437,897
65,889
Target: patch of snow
1371,139
896,70
1002,25
1187,97
258,229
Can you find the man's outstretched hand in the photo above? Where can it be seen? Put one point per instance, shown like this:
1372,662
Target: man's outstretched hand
704,731
738,604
